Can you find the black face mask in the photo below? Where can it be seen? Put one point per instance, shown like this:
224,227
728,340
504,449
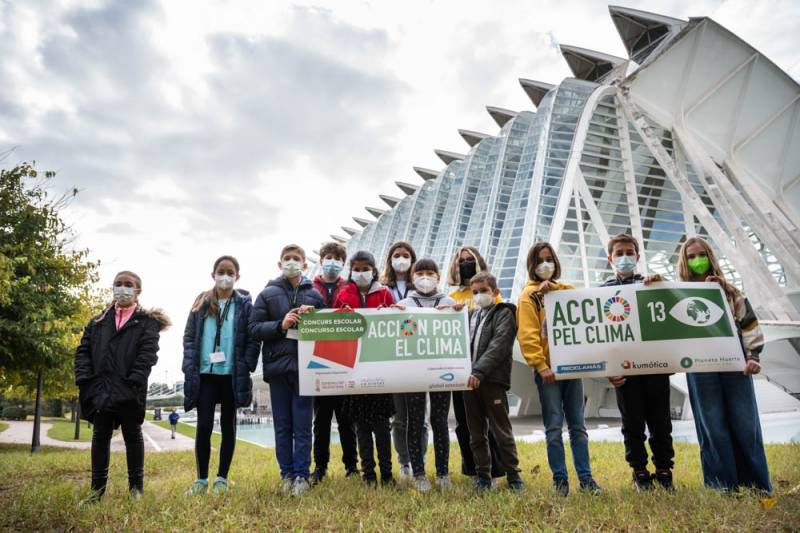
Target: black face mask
466,270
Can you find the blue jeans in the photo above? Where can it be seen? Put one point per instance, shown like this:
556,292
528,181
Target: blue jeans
292,417
728,430
560,400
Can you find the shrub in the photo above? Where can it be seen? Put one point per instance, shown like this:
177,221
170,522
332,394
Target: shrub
14,413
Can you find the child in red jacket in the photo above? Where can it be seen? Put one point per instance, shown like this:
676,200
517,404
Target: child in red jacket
370,412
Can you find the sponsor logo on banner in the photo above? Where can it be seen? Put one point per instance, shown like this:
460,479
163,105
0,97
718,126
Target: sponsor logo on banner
634,365
448,377
687,362
582,367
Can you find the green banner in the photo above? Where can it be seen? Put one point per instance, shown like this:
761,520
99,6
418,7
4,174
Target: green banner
316,326
668,314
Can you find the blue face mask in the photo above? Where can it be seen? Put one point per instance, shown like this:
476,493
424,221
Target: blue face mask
332,267
625,264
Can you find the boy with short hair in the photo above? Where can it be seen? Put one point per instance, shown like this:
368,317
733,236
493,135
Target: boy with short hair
276,313
493,330
332,257
643,400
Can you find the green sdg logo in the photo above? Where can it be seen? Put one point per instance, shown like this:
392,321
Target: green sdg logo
408,327
617,308
696,311
687,362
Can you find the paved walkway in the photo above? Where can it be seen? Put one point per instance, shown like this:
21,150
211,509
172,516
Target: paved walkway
156,438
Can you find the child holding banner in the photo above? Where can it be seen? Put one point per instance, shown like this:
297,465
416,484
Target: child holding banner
466,263
370,412
273,321
397,278
560,399
218,356
426,294
724,403
643,399
329,284
493,329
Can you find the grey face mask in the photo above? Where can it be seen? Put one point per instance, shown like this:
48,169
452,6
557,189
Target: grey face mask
124,295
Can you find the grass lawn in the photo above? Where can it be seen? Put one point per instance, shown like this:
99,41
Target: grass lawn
41,492
3,426
65,430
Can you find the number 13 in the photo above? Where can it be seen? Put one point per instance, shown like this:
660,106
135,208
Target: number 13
657,311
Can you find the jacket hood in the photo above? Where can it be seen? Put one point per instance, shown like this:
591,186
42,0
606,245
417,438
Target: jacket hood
156,313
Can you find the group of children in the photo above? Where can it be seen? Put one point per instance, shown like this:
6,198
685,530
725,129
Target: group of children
226,334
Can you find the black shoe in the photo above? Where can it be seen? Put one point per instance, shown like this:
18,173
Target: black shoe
664,478
642,480
561,487
590,486
482,484
316,477
388,482
515,482
351,473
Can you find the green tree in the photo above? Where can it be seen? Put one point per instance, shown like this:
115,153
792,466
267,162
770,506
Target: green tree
46,294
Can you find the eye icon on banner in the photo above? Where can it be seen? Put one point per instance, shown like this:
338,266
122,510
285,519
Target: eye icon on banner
696,311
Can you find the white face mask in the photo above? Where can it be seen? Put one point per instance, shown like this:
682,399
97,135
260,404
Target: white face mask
483,299
291,268
401,264
124,295
545,270
224,282
425,284
362,279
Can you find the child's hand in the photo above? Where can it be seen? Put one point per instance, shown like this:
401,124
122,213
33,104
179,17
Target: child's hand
346,307
715,279
546,287
290,320
652,278
752,367
548,376
305,309
442,307
398,306
617,381
458,307
473,382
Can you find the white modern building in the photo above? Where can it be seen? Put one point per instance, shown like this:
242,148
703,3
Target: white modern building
694,133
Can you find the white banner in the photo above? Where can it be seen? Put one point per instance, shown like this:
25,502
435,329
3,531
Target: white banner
633,329
371,351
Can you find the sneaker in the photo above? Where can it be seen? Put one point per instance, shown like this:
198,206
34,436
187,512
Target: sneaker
287,484
642,480
200,486
421,484
388,482
664,478
300,486
590,486
482,485
135,494
443,483
515,483
405,472
317,476
561,487
220,485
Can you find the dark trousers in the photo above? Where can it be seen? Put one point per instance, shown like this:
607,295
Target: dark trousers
324,409
462,434
644,401
440,409
487,407
102,432
381,429
215,389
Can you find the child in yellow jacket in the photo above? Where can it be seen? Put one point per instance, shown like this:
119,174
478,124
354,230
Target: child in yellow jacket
561,399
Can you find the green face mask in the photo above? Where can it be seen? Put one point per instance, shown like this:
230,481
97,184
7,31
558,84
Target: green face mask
699,265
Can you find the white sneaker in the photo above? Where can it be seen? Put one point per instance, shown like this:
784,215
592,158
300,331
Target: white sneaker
405,472
300,486
421,484
287,484
494,483
444,483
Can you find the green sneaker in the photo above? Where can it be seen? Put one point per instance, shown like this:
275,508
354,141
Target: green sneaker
220,485
200,486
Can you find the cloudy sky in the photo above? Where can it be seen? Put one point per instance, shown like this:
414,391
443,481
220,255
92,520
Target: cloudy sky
195,129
